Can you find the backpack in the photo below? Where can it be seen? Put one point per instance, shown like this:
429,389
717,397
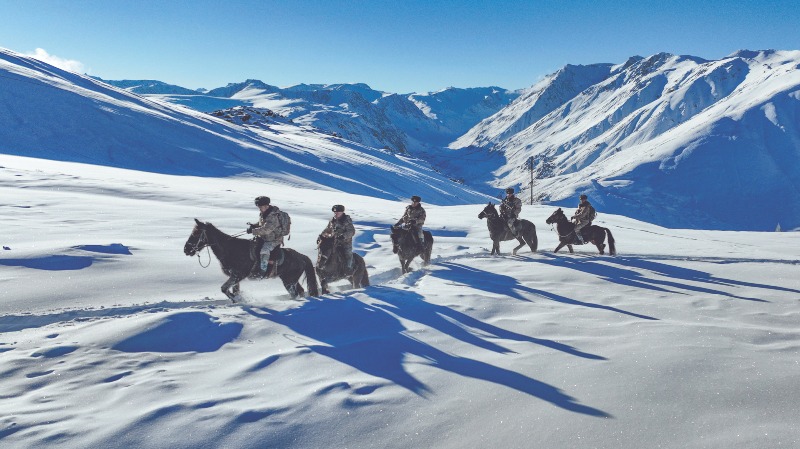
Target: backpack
286,223
592,213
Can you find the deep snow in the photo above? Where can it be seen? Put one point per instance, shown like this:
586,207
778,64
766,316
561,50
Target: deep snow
111,337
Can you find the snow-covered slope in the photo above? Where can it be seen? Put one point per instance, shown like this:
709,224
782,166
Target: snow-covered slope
143,87
52,114
402,123
110,337
674,140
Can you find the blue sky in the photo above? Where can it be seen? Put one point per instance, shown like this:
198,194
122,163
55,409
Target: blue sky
409,46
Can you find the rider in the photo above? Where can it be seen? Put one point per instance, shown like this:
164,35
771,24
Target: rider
268,230
510,208
413,218
342,230
583,217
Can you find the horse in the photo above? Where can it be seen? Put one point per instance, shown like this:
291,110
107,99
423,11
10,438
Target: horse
234,255
591,233
499,232
331,265
405,246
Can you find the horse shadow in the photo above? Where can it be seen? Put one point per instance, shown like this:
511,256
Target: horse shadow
697,275
372,340
508,286
413,307
632,278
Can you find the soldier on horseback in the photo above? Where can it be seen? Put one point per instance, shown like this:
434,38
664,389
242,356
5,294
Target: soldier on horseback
413,218
510,208
342,230
583,217
268,231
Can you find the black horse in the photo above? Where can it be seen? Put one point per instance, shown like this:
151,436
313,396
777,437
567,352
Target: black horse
331,265
234,255
590,233
405,245
499,232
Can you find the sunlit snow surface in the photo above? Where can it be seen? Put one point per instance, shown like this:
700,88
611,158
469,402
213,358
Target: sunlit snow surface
111,337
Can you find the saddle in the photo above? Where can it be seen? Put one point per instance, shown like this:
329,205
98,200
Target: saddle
584,233
277,257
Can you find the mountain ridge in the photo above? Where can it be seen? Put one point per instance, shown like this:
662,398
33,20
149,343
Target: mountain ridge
637,141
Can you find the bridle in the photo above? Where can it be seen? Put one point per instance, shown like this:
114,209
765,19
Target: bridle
202,242
556,219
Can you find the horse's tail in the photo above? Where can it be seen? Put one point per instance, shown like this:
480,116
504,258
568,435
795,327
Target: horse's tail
612,250
311,277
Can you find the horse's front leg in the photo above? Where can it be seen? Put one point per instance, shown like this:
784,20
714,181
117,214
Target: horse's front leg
232,281
570,249
560,245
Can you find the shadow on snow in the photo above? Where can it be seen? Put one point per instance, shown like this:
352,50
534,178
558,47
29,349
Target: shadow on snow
372,340
509,286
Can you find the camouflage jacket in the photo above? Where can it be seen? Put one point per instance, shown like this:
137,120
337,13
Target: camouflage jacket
342,229
415,214
511,207
269,228
583,212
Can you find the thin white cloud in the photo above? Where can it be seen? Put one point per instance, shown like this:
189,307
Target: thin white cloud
61,63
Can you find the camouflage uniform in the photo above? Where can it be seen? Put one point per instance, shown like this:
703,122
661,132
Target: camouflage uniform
268,230
342,230
414,218
510,208
581,218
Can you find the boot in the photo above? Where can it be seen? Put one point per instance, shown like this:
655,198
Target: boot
269,267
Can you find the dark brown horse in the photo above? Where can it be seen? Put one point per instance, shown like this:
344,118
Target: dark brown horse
331,265
405,245
499,232
590,233
234,255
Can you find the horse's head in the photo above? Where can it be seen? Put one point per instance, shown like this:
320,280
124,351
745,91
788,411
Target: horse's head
197,239
488,211
325,245
556,217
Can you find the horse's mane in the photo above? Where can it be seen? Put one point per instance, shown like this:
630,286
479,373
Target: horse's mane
209,227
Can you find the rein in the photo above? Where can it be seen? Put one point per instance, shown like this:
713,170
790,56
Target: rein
202,243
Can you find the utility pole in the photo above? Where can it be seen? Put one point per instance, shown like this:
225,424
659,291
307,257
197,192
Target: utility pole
530,167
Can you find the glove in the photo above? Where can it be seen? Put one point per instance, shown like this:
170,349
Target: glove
250,227
412,222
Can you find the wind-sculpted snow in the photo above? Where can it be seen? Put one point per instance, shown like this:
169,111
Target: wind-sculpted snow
141,349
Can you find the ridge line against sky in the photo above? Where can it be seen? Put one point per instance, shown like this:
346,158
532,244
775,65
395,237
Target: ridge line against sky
401,47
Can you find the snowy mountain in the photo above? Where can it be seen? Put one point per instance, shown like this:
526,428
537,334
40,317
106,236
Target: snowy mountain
674,140
398,122
63,116
111,337
144,87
